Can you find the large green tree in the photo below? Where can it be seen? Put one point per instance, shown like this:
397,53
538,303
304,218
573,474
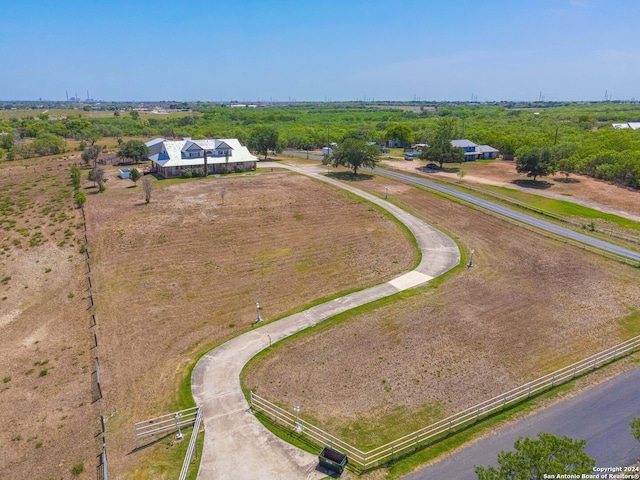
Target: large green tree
91,153
537,162
532,458
99,177
263,139
134,175
134,150
440,149
400,132
6,141
354,153
48,144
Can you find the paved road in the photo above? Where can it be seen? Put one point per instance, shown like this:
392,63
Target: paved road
522,217
601,415
236,445
507,212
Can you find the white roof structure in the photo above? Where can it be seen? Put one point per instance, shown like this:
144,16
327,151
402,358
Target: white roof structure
190,153
463,143
631,125
487,149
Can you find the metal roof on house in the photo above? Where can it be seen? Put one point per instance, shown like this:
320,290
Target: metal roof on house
170,154
155,141
634,125
487,149
463,143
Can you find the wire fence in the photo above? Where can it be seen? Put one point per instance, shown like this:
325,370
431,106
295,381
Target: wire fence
96,389
411,442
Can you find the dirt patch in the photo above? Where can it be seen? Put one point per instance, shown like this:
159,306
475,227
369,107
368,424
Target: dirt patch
45,358
530,305
186,271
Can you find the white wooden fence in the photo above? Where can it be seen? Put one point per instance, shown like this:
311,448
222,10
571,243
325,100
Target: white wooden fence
192,446
427,435
165,424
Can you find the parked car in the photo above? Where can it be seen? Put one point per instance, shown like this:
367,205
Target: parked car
433,166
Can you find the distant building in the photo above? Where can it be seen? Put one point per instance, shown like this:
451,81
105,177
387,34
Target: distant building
473,151
631,125
171,156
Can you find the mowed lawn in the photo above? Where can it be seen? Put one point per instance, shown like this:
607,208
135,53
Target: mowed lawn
184,273
48,420
529,305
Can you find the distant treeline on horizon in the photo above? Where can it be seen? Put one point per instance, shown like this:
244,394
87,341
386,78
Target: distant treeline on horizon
581,133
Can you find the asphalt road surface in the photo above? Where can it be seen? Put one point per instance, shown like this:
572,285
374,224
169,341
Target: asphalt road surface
521,217
600,415
507,212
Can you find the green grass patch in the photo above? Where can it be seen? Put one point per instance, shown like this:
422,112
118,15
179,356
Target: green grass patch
630,325
564,208
406,465
168,457
274,254
288,435
368,434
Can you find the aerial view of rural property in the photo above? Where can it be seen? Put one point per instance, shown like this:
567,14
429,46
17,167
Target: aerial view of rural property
312,240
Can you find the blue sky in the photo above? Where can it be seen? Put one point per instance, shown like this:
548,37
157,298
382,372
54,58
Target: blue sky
340,50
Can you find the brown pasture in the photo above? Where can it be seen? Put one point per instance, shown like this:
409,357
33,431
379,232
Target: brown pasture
48,420
185,272
529,305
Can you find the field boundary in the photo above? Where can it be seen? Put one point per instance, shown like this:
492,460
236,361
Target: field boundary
430,434
96,390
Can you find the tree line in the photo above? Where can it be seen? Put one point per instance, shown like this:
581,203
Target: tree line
579,137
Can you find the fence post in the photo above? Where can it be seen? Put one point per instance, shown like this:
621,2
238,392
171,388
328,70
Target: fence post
553,379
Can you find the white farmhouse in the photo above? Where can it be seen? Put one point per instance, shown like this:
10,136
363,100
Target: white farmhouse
222,155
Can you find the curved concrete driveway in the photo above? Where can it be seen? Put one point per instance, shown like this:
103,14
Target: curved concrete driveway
236,445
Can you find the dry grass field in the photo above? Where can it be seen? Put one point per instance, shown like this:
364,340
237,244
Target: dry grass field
530,305
186,271
48,421
182,274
